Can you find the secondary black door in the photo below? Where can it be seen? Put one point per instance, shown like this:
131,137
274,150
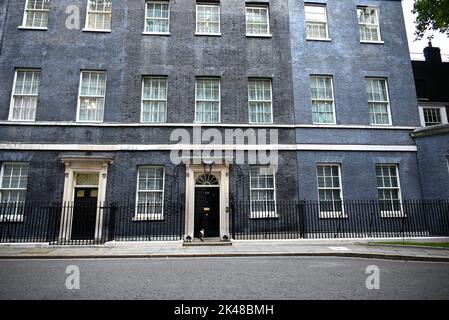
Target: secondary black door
84,214
207,211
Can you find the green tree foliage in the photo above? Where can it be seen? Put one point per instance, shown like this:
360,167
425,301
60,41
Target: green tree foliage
432,15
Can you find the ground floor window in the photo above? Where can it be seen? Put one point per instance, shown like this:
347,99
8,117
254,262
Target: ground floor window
150,193
389,190
263,192
329,191
13,185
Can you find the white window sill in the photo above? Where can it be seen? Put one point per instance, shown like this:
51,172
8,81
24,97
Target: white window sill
263,215
333,215
32,28
97,30
11,218
94,122
372,42
392,214
156,33
208,34
319,39
259,35
325,124
260,123
148,217
381,125
21,120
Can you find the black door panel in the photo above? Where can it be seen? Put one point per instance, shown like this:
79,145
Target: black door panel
207,211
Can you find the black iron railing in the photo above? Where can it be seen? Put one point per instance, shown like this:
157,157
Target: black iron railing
86,223
347,219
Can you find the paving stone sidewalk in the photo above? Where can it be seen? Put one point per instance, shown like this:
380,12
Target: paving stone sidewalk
176,250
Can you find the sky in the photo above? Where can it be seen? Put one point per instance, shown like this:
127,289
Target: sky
416,47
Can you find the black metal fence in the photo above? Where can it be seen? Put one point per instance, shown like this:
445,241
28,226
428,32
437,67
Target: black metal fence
348,219
90,223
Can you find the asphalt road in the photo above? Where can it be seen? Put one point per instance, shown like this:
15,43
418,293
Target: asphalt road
223,278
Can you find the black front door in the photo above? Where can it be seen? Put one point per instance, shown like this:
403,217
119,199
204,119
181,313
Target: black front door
207,211
84,214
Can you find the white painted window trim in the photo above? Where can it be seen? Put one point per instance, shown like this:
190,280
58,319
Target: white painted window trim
149,216
6,218
219,19
11,103
324,5
79,96
334,115
388,101
219,99
271,102
392,214
142,100
443,114
379,33
331,214
146,17
258,214
24,26
263,6
86,24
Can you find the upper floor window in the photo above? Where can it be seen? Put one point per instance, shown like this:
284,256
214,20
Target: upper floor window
91,96
208,19
99,15
378,101
157,17
329,191
25,95
322,99
389,191
207,106
431,116
260,101
154,99
316,21
263,192
36,14
150,193
257,21
13,184
369,24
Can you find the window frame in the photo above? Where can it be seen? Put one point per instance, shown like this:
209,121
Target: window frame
86,24
16,216
219,99
149,216
334,115
142,98
79,96
331,214
323,5
391,214
206,4
390,119
267,214
443,114
258,6
271,102
24,18
379,33
146,17
11,103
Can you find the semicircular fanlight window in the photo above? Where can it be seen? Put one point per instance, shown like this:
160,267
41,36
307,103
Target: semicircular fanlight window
207,180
